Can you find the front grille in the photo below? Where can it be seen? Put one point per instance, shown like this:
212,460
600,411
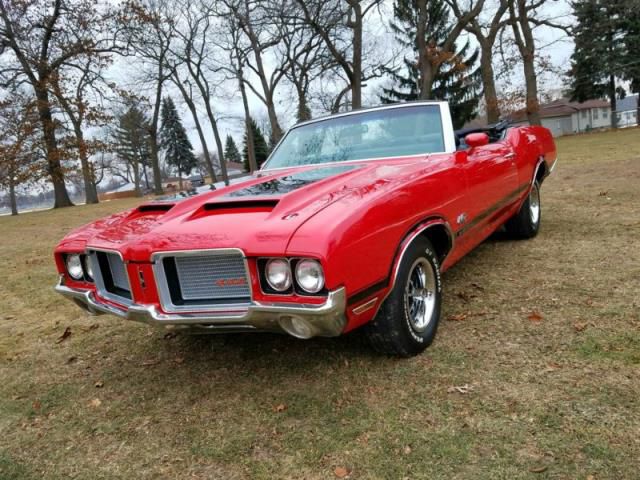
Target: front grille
204,280
111,279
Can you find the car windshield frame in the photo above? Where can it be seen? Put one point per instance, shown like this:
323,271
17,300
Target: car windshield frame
363,118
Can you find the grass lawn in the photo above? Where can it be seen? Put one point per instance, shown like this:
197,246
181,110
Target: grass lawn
535,372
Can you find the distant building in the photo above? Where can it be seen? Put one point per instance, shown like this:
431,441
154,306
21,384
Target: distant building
564,117
627,111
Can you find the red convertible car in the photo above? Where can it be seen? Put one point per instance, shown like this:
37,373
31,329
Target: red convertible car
349,224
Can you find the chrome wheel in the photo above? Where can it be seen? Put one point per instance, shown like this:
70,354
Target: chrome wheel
420,294
534,204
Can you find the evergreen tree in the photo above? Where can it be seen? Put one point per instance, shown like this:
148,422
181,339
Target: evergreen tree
231,153
599,54
261,147
131,140
455,75
631,63
174,140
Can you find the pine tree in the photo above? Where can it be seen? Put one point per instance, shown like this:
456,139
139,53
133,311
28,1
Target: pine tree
599,52
456,80
174,140
231,153
131,140
261,147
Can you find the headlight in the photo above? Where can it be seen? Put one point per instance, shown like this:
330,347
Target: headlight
310,276
87,267
74,266
278,273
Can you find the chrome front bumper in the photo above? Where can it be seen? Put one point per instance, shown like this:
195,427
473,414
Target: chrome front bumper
302,321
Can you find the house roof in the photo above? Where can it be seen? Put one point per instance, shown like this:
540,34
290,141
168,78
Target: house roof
627,103
560,108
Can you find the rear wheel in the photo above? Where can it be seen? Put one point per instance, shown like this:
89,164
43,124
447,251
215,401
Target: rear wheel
407,321
526,223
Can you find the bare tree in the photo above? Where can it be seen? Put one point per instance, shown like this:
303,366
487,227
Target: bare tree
341,26
257,22
36,40
148,28
19,152
71,88
194,30
524,17
486,33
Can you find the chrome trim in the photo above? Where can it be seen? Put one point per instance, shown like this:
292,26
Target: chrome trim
407,241
365,306
535,172
327,319
163,288
99,281
553,165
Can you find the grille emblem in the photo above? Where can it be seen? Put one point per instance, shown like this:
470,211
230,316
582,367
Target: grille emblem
230,282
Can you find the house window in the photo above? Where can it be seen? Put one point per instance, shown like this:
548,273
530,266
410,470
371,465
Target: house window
584,114
605,113
595,113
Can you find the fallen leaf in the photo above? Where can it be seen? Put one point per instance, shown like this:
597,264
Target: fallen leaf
36,405
407,450
479,287
99,384
66,334
552,367
579,326
279,408
71,359
538,469
591,477
535,317
457,317
179,359
170,335
603,193
95,403
465,296
148,363
341,472
463,389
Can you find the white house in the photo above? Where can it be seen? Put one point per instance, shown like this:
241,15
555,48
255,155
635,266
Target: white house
564,117
627,111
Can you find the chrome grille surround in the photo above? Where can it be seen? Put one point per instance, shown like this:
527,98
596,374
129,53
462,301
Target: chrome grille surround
198,273
118,272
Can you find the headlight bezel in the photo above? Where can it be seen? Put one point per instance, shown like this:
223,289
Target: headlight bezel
79,265
285,287
295,288
309,263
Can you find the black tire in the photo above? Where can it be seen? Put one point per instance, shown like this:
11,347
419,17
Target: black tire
525,223
392,331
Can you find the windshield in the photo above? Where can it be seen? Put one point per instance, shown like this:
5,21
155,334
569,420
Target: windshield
391,132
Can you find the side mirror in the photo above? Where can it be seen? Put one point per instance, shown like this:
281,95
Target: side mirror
476,139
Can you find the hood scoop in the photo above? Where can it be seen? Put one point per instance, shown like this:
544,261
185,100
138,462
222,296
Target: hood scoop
262,205
155,207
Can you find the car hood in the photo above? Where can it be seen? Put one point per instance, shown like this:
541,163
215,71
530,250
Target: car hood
259,215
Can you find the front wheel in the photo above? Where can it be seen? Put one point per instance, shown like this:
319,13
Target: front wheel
526,223
407,321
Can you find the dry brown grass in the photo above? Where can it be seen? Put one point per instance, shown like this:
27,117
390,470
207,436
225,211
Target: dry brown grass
555,397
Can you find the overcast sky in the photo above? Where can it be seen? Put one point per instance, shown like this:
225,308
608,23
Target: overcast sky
229,105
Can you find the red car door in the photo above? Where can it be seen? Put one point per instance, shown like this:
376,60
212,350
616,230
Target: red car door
492,179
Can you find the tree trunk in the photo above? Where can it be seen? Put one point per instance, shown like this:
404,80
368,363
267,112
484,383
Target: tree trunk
54,166
612,101
136,179
531,80
12,196
356,78
304,112
196,120
219,147
251,151
90,191
489,84
153,137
